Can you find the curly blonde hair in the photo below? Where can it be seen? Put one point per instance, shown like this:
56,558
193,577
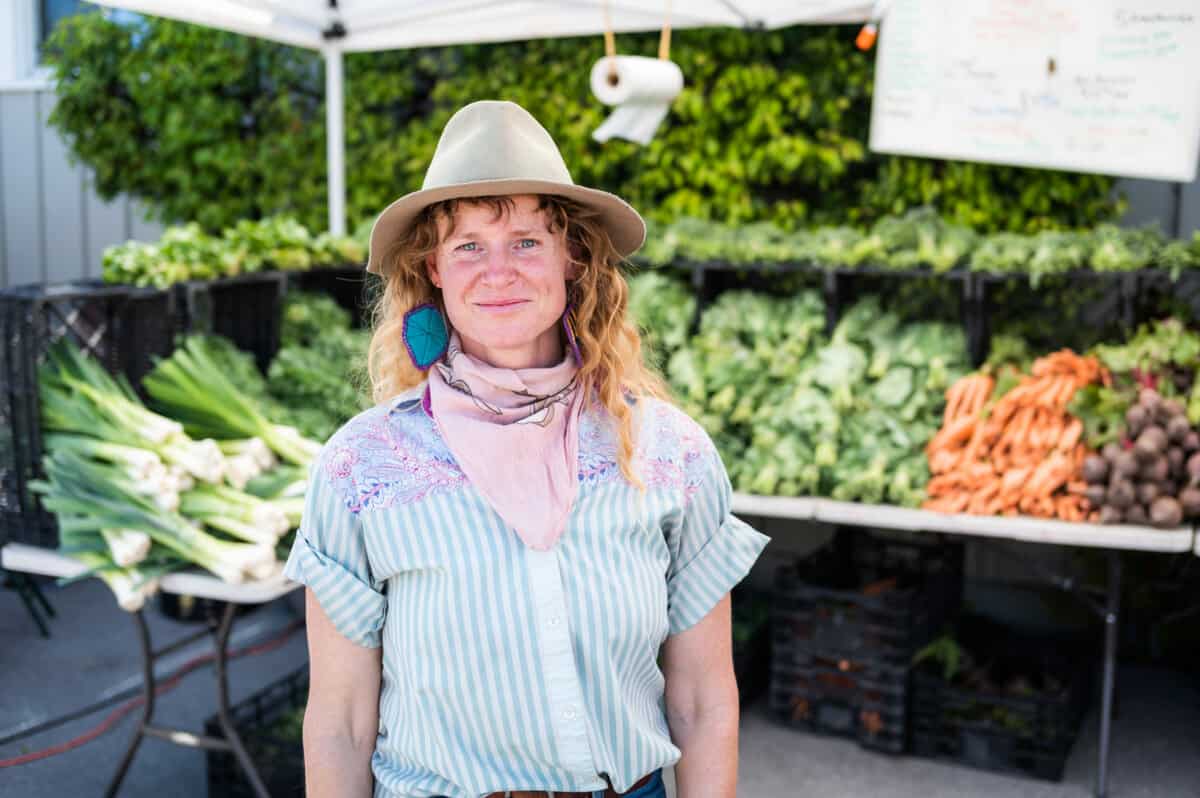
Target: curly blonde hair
613,368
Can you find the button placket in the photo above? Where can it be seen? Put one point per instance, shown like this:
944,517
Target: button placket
565,693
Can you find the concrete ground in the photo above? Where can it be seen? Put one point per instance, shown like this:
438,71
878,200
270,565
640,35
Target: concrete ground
92,657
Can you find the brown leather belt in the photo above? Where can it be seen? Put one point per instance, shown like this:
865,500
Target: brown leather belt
608,793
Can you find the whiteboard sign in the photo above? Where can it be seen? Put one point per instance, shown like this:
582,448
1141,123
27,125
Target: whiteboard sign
1102,86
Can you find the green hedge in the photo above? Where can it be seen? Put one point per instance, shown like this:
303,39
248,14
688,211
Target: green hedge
771,126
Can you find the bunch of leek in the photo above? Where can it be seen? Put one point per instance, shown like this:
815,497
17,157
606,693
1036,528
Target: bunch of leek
90,496
241,515
191,387
80,398
246,459
130,585
282,482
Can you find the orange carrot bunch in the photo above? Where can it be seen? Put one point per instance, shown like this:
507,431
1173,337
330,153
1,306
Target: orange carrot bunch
1022,453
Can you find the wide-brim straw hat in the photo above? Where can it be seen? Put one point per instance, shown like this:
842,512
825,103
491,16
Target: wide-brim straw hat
495,147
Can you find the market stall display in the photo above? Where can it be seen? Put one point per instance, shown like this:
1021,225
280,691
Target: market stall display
840,417
1067,373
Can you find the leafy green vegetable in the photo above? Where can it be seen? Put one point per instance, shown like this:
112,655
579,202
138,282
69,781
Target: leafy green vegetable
1102,411
794,412
186,252
945,651
663,308
307,317
1154,347
322,385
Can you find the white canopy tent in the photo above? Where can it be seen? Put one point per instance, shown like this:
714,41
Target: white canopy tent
334,27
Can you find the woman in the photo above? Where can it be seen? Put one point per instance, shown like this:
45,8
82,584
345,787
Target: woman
495,554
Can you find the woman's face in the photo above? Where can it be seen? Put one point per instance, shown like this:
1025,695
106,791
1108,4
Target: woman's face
503,283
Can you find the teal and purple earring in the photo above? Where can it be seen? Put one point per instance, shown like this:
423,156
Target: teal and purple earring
425,335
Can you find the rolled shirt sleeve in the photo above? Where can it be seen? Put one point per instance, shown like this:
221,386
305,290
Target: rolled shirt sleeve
711,549
330,558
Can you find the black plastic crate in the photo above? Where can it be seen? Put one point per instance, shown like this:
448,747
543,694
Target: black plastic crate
244,309
867,596
1019,712
279,758
858,699
352,287
122,327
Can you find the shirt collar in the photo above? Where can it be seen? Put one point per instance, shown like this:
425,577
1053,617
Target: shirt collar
406,401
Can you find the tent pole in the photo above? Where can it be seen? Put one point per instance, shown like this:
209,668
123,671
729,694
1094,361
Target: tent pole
335,138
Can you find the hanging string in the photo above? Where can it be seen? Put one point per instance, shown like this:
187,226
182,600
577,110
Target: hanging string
610,47
664,41
610,42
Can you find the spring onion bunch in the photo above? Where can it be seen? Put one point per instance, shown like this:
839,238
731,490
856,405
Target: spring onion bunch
146,472
80,398
246,459
238,514
282,482
90,496
190,386
131,585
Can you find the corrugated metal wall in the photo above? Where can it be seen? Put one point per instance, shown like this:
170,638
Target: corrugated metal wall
53,227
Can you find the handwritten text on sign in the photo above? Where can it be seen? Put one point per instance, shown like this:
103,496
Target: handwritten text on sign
1085,85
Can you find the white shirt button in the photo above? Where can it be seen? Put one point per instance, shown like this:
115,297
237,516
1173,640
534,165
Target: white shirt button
569,714
555,621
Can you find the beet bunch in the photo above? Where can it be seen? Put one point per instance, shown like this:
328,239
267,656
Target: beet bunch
1153,475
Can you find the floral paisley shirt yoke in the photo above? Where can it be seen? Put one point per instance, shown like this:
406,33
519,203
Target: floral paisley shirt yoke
504,667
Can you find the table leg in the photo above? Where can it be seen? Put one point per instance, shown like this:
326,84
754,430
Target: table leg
1110,666
227,727
31,596
148,692
36,590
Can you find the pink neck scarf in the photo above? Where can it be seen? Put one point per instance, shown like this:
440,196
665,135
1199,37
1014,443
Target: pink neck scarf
515,435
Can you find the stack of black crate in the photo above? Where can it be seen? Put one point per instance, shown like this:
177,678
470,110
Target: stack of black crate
1014,704
846,622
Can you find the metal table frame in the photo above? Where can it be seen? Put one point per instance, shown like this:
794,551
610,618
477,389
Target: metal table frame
1113,538
31,559
31,596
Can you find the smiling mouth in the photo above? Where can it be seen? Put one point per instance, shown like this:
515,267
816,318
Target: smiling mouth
502,303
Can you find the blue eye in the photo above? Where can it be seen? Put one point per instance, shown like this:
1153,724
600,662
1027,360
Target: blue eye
531,240
464,246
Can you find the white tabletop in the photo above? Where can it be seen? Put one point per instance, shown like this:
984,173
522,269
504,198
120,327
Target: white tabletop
802,507
1031,530
38,560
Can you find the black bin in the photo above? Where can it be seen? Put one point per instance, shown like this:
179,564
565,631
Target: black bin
122,327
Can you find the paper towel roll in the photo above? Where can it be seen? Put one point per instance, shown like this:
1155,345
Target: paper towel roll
643,93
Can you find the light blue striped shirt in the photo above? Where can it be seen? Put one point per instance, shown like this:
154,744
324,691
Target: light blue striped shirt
506,668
